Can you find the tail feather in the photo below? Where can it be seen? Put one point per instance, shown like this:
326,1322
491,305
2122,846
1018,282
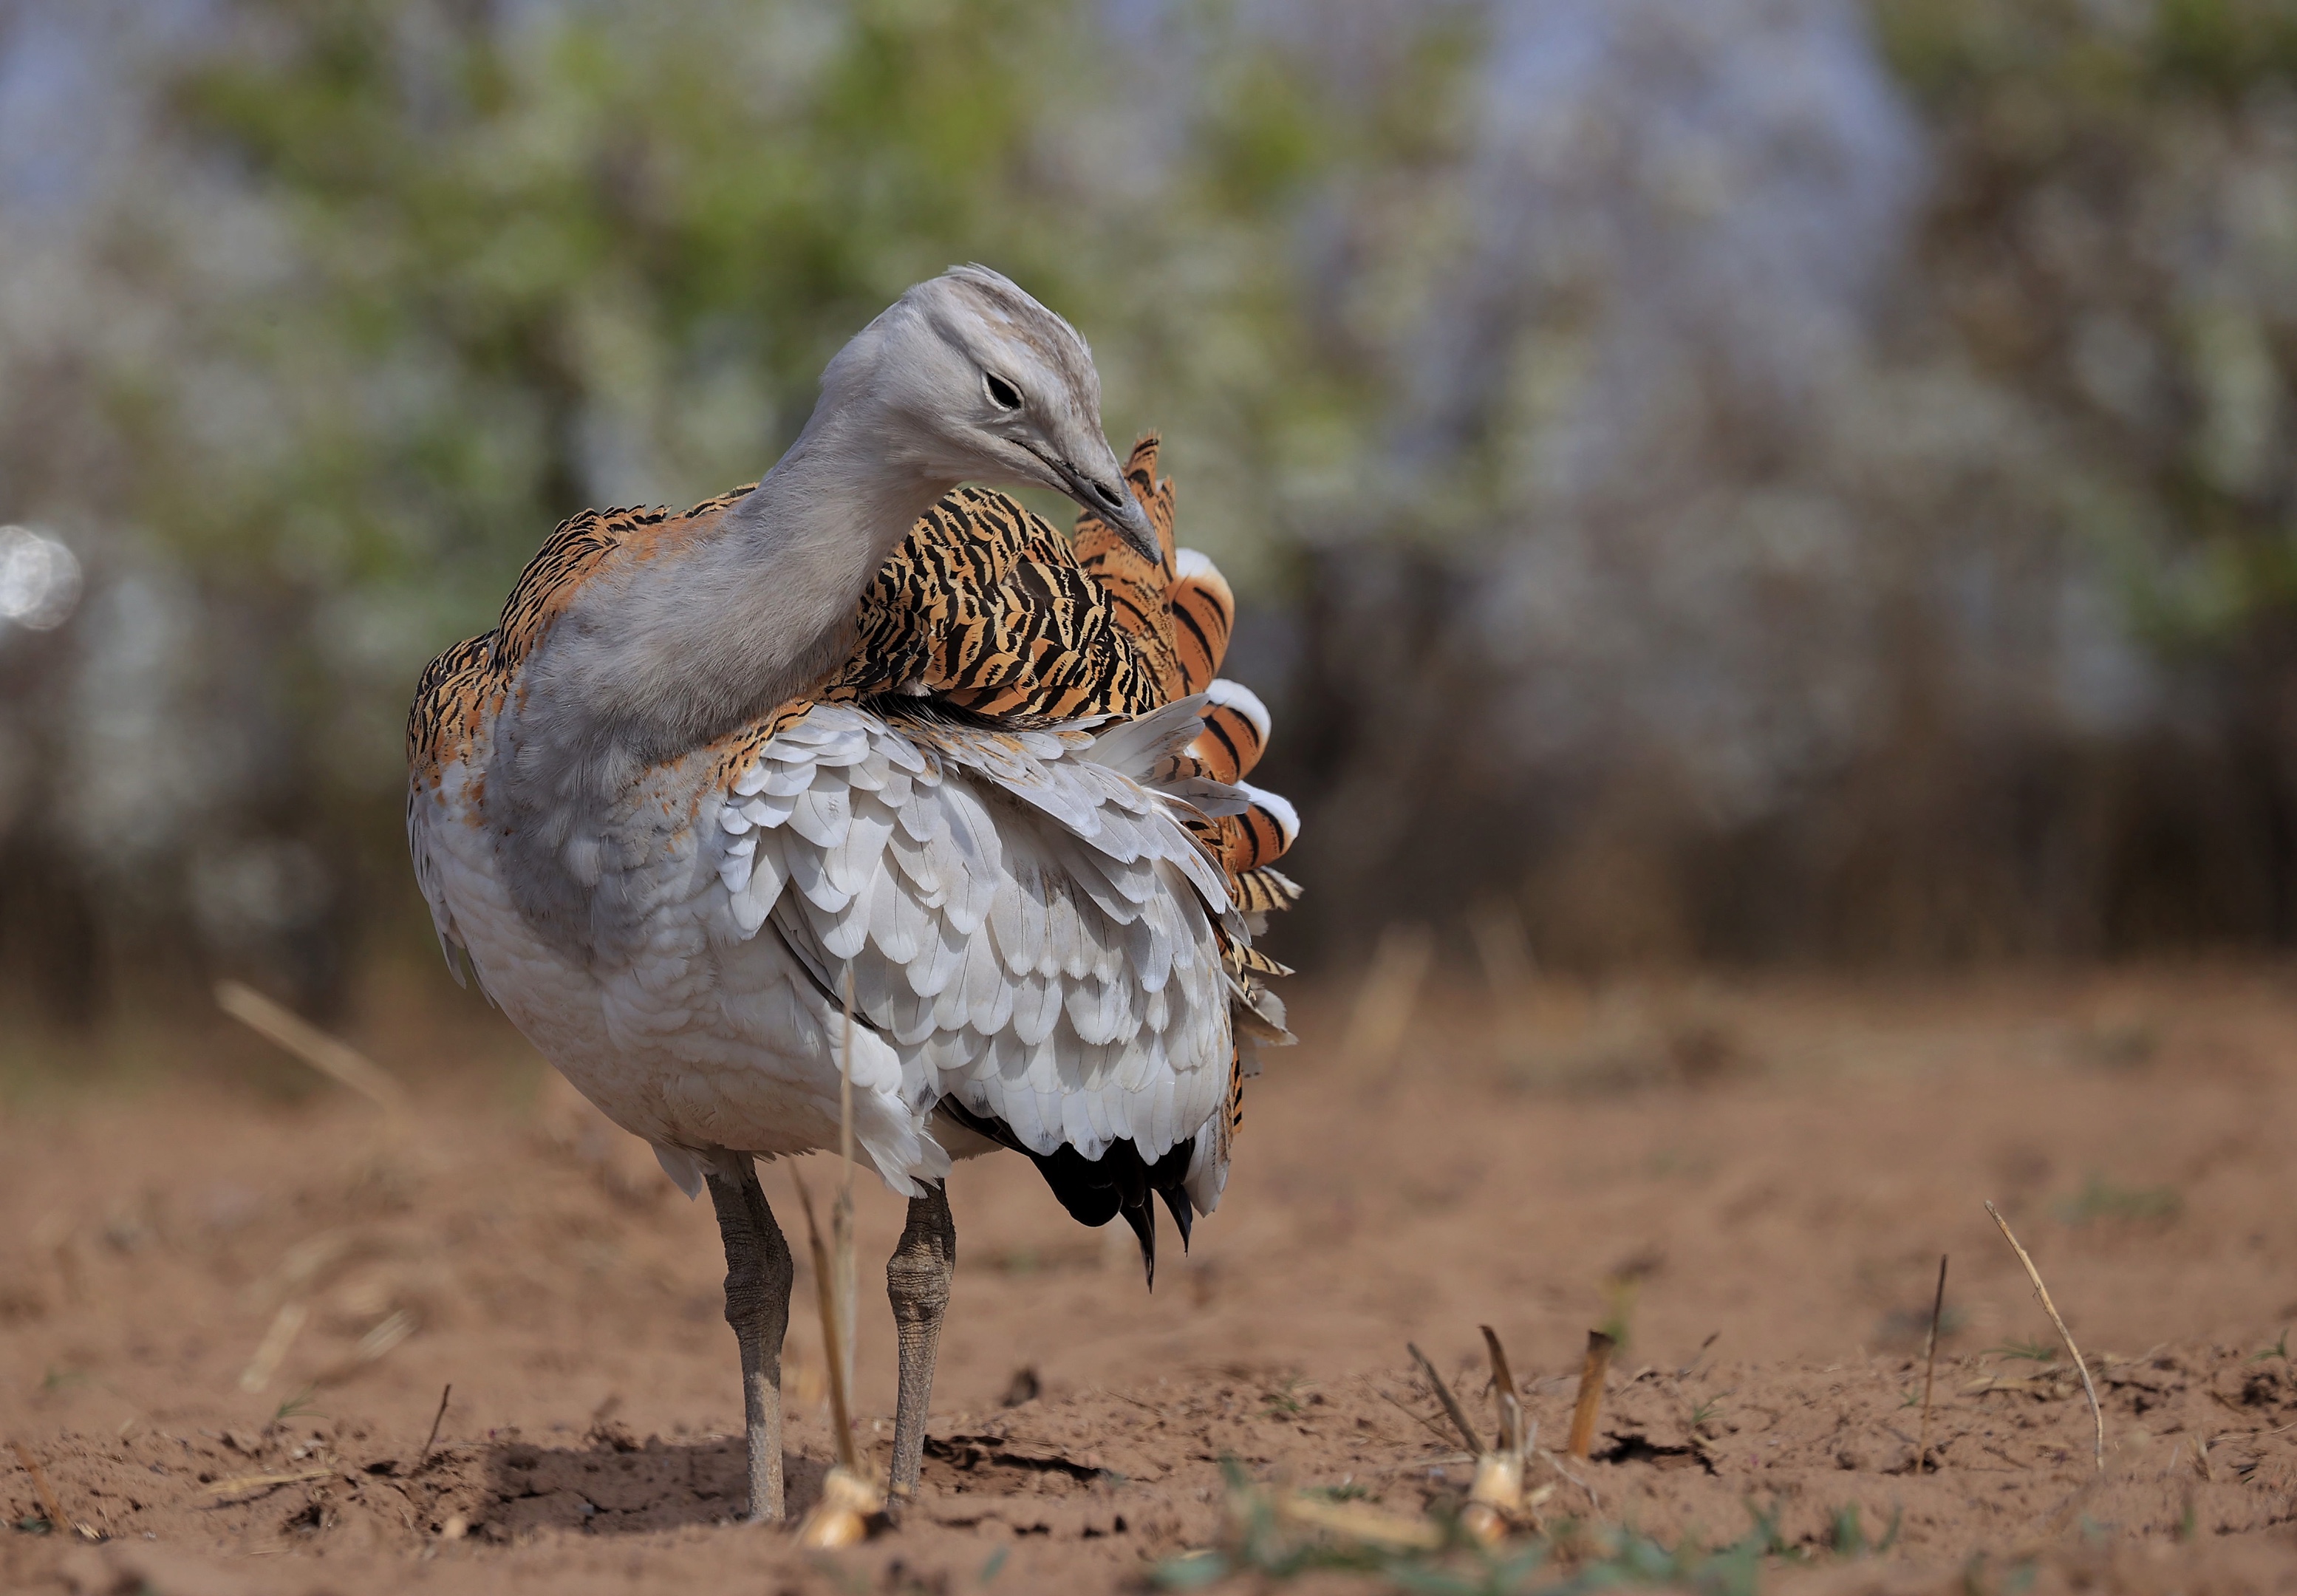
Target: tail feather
1204,612
1236,730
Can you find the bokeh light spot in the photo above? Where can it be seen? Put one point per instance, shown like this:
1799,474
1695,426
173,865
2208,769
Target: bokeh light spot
40,580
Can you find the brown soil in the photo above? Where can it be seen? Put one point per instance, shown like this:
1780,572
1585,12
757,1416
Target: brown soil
1768,1173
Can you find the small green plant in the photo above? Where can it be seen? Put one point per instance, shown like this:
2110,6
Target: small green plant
2101,1198
2039,1351
1286,1401
1850,1532
1347,1489
2279,1349
298,1406
1705,1411
1619,1299
1261,1542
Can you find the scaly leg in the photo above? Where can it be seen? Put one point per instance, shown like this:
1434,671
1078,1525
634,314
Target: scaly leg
758,1274
917,1279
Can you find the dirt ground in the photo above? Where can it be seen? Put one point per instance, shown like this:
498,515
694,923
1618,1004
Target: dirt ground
230,1297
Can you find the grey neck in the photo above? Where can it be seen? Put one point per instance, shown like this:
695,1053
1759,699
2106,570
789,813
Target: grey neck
657,659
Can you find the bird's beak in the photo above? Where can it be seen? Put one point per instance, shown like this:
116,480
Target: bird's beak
1107,501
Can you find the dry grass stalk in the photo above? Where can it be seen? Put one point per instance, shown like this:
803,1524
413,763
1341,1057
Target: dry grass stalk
52,1508
1503,1383
1590,1405
371,1347
272,1351
1684,1373
436,1418
1359,1521
306,1266
1382,1016
239,1483
852,1502
835,1333
1451,1403
2042,1292
339,1062
1930,1368
1434,1429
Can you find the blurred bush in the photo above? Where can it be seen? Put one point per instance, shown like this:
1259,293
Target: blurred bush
1716,479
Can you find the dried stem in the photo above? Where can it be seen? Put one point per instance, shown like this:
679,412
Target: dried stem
47,1493
344,1064
841,1212
1930,1367
1510,1405
436,1418
834,1337
2042,1292
1600,1348
1451,1403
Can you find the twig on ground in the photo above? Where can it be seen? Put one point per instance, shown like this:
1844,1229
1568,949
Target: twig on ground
264,1482
1359,1521
47,1493
1600,1347
2042,1292
436,1418
1443,1395
338,1061
1684,1373
1930,1367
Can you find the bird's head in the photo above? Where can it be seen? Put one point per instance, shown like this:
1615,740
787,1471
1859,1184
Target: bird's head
985,384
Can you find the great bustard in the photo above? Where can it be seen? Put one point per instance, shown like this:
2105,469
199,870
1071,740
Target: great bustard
854,731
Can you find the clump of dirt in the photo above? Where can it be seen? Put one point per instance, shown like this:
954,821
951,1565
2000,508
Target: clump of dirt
225,1323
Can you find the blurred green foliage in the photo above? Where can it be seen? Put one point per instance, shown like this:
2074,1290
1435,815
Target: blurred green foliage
2114,239
533,260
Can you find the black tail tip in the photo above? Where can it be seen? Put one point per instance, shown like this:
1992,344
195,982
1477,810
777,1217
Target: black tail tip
1176,1204
1142,1218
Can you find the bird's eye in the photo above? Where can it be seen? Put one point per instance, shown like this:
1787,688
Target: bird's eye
1001,393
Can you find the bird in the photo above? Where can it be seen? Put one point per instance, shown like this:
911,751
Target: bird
864,770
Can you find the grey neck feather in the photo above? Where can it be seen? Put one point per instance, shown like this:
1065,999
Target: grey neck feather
659,659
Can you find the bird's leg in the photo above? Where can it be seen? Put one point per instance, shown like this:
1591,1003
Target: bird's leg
758,1274
917,1279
